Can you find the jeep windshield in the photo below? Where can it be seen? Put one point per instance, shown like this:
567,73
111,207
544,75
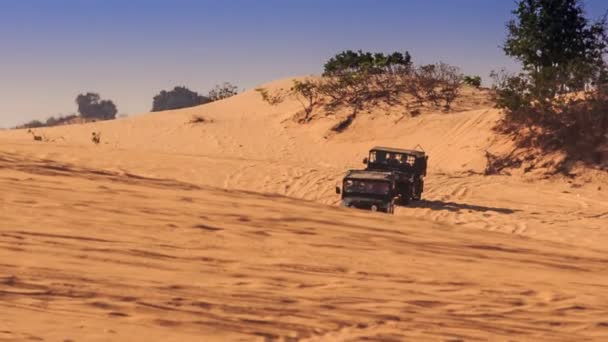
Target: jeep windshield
362,186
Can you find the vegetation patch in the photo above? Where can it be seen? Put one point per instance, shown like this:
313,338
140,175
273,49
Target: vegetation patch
272,98
355,82
197,119
559,102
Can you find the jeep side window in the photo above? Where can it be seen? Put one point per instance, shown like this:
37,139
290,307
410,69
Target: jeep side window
348,185
394,158
372,157
379,157
411,160
354,186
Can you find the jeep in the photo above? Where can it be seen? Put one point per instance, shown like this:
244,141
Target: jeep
371,190
407,166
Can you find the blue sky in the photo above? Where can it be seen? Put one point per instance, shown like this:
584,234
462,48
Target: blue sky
130,50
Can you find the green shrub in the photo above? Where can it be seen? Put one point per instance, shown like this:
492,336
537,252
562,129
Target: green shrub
271,98
223,91
474,81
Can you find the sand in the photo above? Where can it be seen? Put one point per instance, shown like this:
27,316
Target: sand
229,230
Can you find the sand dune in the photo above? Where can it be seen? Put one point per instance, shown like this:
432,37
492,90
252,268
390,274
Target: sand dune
228,230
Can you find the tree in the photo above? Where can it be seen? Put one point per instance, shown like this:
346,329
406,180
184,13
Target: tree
450,80
91,106
435,83
223,91
556,43
356,78
366,62
561,51
179,97
307,93
107,110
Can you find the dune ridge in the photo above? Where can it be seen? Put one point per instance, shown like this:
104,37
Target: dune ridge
228,229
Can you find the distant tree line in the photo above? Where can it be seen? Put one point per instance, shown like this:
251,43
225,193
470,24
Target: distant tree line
91,107
52,121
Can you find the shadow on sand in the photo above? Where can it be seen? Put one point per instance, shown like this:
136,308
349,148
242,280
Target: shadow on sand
453,206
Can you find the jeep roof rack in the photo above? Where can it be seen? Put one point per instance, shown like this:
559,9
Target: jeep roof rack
369,175
398,150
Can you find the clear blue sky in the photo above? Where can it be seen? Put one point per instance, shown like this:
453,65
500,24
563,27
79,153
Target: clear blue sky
129,50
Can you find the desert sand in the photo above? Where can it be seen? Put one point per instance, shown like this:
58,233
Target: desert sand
230,230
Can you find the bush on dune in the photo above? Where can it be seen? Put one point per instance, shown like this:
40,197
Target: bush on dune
179,97
361,79
358,78
223,91
272,98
